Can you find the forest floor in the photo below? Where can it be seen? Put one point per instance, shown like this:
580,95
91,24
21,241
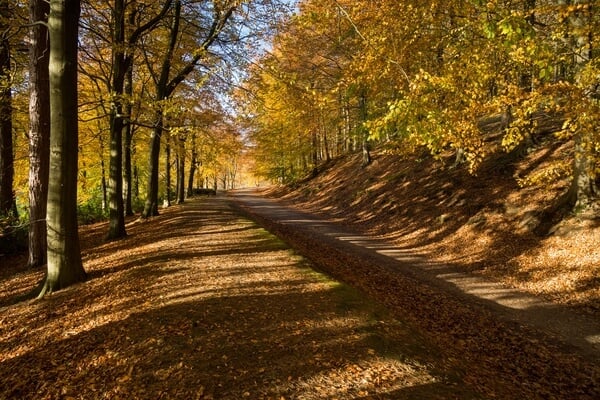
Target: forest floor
515,344
202,303
482,223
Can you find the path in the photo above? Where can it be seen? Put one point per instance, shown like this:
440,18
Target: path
201,303
326,243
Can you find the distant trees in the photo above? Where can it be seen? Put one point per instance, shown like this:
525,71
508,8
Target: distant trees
211,20
415,75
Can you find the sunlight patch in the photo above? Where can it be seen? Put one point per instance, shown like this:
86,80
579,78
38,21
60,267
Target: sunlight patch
365,378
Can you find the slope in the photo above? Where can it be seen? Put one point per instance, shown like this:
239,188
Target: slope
484,223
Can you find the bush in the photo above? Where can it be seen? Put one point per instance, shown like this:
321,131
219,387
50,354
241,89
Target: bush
137,204
91,211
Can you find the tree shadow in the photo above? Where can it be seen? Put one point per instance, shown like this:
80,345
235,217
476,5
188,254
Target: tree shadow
480,318
234,314
267,345
419,204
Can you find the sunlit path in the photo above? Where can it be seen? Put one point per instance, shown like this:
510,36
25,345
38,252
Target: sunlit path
201,303
425,286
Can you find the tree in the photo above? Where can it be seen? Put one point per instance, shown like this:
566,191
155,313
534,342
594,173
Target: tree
127,145
120,64
122,59
7,195
39,131
583,189
217,16
64,255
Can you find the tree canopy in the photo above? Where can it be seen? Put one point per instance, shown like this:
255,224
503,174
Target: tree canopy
473,77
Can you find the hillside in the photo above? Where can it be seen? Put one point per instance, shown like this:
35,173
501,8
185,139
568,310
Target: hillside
485,224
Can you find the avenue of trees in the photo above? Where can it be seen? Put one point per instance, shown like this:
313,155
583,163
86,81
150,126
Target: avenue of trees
109,107
344,76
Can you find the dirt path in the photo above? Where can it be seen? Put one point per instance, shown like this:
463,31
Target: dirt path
201,303
522,346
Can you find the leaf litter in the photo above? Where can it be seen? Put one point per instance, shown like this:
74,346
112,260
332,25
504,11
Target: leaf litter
200,303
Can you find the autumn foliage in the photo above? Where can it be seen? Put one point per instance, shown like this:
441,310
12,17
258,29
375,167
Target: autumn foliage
472,77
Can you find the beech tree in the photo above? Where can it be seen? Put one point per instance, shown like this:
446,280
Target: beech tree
64,255
123,46
39,130
7,195
583,23
435,76
216,17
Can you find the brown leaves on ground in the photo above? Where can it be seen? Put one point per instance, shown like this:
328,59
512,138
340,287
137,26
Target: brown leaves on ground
506,358
485,224
200,303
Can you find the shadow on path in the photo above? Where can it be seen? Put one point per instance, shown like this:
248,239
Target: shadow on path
478,315
201,303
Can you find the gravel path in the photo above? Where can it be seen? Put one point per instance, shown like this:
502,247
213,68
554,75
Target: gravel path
518,340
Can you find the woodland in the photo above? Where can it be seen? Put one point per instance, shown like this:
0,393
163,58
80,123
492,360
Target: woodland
170,96
135,91
466,129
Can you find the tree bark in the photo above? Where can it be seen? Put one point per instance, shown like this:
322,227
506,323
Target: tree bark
193,167
151,205
7,195
64,255
127,143
168,173
39,131
181,169
364,134
583,185
120,61
162,93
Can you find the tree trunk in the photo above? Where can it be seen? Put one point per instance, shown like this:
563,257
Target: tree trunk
364,134
64,255
39,132
136,181
193,167
314,154
583,186
162,93
103,183
7,195
127,143
116,208
168,194
326,145
151,206
181,170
